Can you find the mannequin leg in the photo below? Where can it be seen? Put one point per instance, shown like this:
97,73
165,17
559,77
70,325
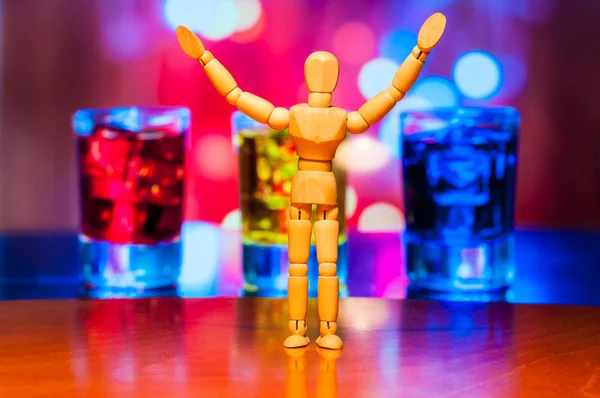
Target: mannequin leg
326,234
299,232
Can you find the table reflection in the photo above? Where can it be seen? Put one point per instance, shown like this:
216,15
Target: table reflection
115,341
389,345
298,384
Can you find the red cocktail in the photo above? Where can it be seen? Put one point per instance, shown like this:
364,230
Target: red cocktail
131,163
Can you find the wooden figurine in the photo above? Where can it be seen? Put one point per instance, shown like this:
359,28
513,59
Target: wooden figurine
317,129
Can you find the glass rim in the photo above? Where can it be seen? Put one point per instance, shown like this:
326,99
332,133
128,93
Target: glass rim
134,118
433,120
106,109
493,110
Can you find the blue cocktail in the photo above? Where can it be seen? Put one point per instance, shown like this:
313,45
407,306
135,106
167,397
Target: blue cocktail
459,169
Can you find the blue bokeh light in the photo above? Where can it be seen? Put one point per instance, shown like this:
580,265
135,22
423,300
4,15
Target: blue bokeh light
478,75
375,76
397,45
200,259
436,90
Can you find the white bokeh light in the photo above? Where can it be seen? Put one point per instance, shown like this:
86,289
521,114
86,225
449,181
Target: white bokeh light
363,154
249,14
351,201
375,76
197,15
232,221
206,241
381,217
225,22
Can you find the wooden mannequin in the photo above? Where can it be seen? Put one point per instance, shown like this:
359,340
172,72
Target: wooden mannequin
317,129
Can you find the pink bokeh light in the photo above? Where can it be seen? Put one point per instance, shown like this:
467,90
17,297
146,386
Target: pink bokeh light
354,43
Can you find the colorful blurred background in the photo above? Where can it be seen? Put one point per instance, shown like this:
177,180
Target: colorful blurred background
59,56
62,55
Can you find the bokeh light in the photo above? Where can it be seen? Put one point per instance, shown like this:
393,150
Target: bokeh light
250,35
206,237
354,43
232,221
381,217
212,19
375,76
477,75
197,15
351,201
368,315
225,22
437,91
214,157
363,154
249,13
397,45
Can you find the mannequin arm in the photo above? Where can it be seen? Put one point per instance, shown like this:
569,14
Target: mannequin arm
377,107
255,107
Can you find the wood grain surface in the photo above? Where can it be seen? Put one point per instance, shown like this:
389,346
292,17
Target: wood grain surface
172,347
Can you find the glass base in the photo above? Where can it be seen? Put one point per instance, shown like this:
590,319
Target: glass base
266,270
123,268
469,295
482,267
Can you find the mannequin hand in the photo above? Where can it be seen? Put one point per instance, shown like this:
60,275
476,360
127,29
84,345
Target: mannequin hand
431,32
189,42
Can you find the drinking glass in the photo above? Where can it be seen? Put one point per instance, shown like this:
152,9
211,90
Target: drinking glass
267,163
459,169
131,171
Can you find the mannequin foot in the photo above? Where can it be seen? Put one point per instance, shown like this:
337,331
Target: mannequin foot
330,341
328,338
295,341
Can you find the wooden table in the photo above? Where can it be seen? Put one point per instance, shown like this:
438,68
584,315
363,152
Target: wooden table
172,347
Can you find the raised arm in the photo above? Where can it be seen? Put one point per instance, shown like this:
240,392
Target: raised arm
257,108
377,107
